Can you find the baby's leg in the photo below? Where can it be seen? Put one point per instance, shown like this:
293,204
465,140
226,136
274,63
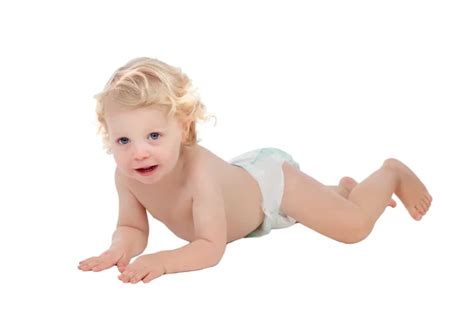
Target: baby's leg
345,187
339,189
351,220
346,184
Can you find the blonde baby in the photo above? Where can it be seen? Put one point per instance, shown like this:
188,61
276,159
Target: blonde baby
147,116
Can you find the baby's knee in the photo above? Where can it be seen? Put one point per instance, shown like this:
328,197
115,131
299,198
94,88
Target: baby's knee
356,231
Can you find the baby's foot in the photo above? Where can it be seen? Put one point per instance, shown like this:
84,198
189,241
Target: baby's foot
410,190
346,184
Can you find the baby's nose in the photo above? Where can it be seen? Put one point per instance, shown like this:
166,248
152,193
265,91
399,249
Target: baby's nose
141,154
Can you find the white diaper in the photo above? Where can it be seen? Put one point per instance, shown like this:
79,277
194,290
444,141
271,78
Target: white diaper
265,165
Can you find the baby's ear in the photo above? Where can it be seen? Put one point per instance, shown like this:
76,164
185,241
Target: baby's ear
185,127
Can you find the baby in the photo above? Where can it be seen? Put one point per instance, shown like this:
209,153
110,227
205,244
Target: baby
148,113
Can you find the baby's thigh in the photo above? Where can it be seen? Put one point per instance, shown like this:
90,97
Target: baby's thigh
316,206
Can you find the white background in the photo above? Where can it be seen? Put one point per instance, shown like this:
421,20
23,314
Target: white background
341,85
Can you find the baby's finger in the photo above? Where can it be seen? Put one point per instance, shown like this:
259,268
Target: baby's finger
86,261
123,261
105,264
98,263
139,276
121,267
88,264
149,277
127,274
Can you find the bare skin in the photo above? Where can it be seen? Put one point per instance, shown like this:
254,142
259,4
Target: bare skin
346,212
209,202
347,184
162,171
351,220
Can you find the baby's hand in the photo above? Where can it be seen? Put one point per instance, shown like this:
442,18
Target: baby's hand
144,268
111,257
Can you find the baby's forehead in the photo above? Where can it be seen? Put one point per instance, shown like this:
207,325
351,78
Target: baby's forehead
114,110
137,116
121,120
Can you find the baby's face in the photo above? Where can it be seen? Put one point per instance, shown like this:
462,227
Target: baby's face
144,143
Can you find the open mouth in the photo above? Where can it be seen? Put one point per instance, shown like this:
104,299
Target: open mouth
146,170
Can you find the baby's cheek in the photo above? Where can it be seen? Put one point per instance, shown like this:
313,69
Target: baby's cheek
117,158
125,169
123,163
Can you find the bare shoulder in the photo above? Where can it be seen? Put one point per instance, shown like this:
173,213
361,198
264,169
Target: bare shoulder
205,170
203,163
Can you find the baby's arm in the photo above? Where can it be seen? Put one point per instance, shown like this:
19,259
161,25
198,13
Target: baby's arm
210,231
207,249
132,226
130,237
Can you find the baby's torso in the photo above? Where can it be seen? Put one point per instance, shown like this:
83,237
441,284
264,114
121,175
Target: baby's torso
242,199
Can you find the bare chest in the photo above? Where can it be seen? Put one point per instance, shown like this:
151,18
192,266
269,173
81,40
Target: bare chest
173,205
173,208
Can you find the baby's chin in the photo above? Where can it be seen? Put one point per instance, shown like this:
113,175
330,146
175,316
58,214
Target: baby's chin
148,180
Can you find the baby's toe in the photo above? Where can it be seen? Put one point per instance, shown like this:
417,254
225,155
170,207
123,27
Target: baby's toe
417,213
426,204
428,199
423,206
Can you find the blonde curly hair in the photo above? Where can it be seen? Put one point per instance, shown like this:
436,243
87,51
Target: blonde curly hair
147,81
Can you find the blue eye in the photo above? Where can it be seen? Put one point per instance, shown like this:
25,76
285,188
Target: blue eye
154,135
123,140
